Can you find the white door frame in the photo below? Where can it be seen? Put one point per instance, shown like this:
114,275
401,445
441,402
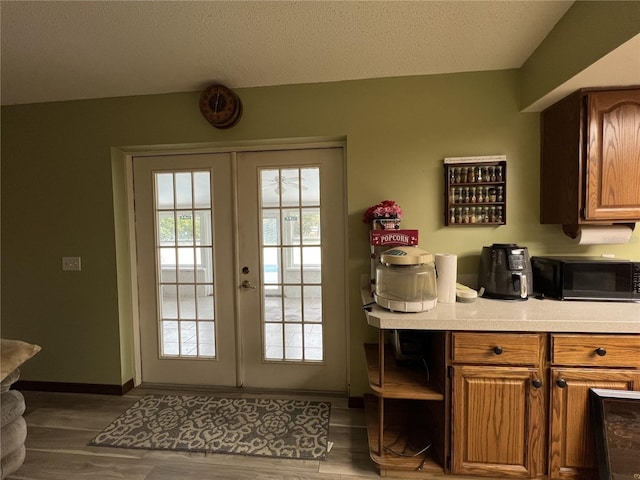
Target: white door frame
127,155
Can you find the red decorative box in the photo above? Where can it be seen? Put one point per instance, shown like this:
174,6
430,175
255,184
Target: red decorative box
393,238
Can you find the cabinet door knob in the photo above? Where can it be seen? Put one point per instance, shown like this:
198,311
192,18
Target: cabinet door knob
537,383
497,350
561,382
601,352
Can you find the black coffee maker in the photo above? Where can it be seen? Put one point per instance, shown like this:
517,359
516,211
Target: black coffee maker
505,272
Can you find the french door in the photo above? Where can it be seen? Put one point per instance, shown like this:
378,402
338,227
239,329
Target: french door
241,268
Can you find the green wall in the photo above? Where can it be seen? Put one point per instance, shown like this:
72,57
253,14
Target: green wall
58,181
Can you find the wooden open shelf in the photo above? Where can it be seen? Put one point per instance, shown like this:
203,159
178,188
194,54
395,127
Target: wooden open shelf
401,428
400,381
405,413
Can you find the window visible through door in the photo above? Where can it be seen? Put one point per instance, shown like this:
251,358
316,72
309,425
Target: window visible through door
184,251
291,246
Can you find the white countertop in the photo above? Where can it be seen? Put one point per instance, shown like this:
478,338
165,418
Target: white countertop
532,315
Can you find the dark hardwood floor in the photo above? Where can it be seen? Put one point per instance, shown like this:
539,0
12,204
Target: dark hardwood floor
60,425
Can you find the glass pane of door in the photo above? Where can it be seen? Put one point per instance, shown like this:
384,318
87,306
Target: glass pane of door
184,252
291,264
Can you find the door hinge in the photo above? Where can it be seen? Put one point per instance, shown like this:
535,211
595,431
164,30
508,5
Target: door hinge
450,372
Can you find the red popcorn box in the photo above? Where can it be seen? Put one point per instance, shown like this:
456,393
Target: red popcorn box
393,238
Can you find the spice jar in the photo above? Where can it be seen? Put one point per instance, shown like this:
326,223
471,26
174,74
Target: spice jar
492,214
471,175
458,215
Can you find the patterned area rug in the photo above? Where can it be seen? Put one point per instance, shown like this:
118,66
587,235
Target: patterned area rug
245,426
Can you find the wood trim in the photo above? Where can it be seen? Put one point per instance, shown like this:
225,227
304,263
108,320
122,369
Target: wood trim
65,387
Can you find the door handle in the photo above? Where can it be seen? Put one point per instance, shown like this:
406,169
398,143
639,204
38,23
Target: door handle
524,286
247,284
520,284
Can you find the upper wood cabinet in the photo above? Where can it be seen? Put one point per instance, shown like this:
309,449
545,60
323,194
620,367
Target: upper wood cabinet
590,158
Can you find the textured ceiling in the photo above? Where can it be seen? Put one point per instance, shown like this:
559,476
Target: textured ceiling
63,50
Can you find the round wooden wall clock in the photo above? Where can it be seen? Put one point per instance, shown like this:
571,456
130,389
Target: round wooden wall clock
220,106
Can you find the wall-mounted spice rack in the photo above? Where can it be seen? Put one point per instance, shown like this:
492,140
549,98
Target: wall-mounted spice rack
475,190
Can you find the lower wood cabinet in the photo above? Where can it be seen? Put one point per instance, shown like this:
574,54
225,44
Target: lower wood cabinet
578,363
503,405
498,404
572,451
518,412
498,421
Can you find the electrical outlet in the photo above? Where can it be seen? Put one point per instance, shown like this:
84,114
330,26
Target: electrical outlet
71,264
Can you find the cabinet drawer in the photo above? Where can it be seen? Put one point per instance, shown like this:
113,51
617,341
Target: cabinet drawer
497,348
596,350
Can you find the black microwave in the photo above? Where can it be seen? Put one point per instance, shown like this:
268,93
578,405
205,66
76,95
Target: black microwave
586,278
